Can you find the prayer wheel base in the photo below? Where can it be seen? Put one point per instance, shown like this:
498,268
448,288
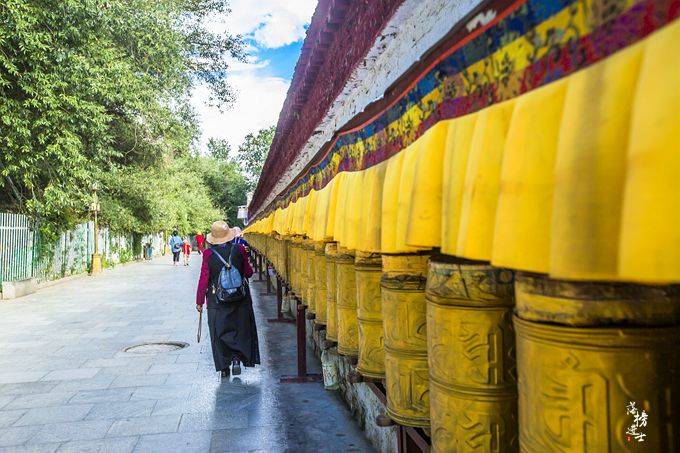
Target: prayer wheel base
351,353
407,421
370,375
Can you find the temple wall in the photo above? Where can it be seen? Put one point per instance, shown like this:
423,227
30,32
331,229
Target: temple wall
416,27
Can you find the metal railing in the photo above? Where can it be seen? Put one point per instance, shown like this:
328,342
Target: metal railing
16,247
24,253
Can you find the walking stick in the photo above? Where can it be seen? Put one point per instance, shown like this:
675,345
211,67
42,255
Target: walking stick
200,324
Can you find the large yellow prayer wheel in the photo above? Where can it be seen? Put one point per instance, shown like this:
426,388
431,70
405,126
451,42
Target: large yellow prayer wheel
331,313
346,303
290,264
320,281
309,284
301,289
287,259
402,289
473,385
368,269
269,247
279,255
575,383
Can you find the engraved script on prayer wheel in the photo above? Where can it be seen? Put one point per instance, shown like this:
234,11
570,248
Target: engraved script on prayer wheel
576,381
346,303
368,268
402,288
310,282
331,313
473,386
320,282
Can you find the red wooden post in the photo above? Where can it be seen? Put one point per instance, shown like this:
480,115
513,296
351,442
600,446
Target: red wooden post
302,375
279,303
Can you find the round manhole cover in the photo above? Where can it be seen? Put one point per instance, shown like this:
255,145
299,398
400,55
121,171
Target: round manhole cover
156,347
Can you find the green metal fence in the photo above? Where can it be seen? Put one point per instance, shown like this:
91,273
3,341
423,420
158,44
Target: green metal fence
16,247
25,254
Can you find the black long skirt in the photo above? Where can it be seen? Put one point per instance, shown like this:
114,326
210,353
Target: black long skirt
233,333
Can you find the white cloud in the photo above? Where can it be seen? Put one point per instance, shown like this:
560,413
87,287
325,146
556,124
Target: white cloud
271,23
267,24
259,100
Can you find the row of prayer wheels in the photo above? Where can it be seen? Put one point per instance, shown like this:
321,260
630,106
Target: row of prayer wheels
491,359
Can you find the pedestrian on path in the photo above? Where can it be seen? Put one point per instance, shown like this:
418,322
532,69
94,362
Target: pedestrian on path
231,322
175,244
200,242
186,251
240,240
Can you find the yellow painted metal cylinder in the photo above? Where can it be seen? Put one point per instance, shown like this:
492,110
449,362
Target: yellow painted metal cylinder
286,259
331,313
575,384
595,303
368,269
346,303
320,281
309,284
577,379
473,385
292,263
276,242
402,291
300,270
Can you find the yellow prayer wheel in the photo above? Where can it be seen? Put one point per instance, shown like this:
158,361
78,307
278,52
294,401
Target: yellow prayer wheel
331,313
473,384
286,259
275,247
300,289
576,381
596,303
281,251
294,268
346,303
368,269
290,261
320,279
309,284
402,289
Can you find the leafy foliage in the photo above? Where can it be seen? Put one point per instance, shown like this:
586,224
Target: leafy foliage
98,90
253,152
219,148
226,183
157,199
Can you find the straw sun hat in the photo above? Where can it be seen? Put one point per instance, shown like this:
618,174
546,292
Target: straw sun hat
220,233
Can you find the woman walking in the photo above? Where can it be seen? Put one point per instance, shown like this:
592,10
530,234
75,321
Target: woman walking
175,244
200,242
186,251
233,333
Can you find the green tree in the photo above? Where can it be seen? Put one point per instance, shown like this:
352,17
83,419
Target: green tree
226,184
146,201
93,88
219,148
253,152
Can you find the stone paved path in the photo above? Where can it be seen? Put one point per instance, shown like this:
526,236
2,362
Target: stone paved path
67,386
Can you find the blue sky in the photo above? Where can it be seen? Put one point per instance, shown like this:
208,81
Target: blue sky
282,60
274,31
